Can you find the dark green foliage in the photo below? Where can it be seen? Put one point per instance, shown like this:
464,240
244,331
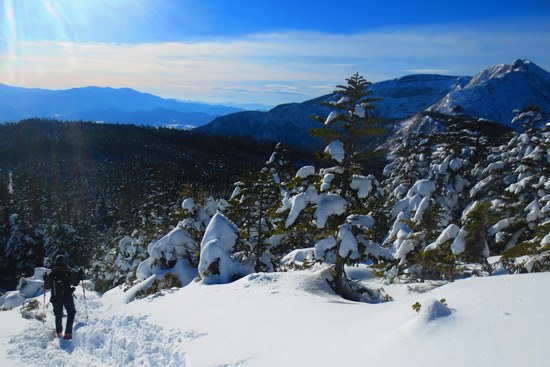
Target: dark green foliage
478,220
31,310
168,281
350,122
253,208
439,263
78,186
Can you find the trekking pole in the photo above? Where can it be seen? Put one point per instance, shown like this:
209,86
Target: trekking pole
85,304
44,306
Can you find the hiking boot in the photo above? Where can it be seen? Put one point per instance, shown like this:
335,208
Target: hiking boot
68,336
59,335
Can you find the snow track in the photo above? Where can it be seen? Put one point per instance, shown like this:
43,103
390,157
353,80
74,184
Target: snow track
114,340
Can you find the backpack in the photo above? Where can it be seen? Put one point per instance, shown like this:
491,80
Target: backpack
61,281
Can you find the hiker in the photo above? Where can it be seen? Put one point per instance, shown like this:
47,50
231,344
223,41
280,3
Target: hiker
61,281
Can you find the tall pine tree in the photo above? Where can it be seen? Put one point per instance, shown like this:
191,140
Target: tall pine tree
346,127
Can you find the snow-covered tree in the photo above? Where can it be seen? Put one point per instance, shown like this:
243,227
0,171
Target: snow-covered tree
219,262
340,199
515,180
441,164
252,208
178,252
294,220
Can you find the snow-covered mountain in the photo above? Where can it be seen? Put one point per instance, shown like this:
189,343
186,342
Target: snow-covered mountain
406,96
492,94
495,92
121,105
289,123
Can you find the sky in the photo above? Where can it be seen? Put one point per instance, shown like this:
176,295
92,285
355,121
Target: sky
250,51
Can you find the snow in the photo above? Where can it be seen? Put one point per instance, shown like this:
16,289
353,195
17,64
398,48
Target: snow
494,93
455,164
305,172
329,204
348,243
169,248
222,229
423,188
336,150
448,233
417,199
331,117
342,99
362,185
299,256
500,225
481,185
421,208
218,241
534,211
327,180
495,166
27,288
12,299
459,244
322,248
188,204
359,111
298,203
287,319
366,221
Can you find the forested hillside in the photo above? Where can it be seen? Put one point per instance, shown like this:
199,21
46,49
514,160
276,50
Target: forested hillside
465,197
78,187
130,202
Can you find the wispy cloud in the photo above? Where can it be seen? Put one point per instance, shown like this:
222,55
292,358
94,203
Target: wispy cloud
427,71
275,67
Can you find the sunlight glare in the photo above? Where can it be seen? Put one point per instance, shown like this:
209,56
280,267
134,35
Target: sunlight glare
9,33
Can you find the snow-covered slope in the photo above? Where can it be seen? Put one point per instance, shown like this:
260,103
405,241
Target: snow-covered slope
289,123
492,94
292,319
495,92
406,96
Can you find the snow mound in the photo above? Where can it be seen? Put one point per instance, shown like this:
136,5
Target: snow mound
433,309
304,282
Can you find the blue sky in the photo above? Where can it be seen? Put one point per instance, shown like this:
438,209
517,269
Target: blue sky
259,51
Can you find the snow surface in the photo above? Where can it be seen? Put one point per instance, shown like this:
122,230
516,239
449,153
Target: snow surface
331,117
336,150
305,171
293,319
495,92
218,241
362,185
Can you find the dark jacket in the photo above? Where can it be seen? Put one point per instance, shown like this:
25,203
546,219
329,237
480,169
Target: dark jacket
61,281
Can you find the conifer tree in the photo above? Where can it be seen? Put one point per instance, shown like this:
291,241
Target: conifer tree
252,208
476,247
350,123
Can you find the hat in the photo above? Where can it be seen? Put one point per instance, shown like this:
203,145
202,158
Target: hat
60,260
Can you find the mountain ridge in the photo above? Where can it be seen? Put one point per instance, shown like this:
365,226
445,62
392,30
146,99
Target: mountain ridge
492,95
94,103
495,92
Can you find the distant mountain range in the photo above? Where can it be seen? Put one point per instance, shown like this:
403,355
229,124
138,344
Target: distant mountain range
492,95
112,105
